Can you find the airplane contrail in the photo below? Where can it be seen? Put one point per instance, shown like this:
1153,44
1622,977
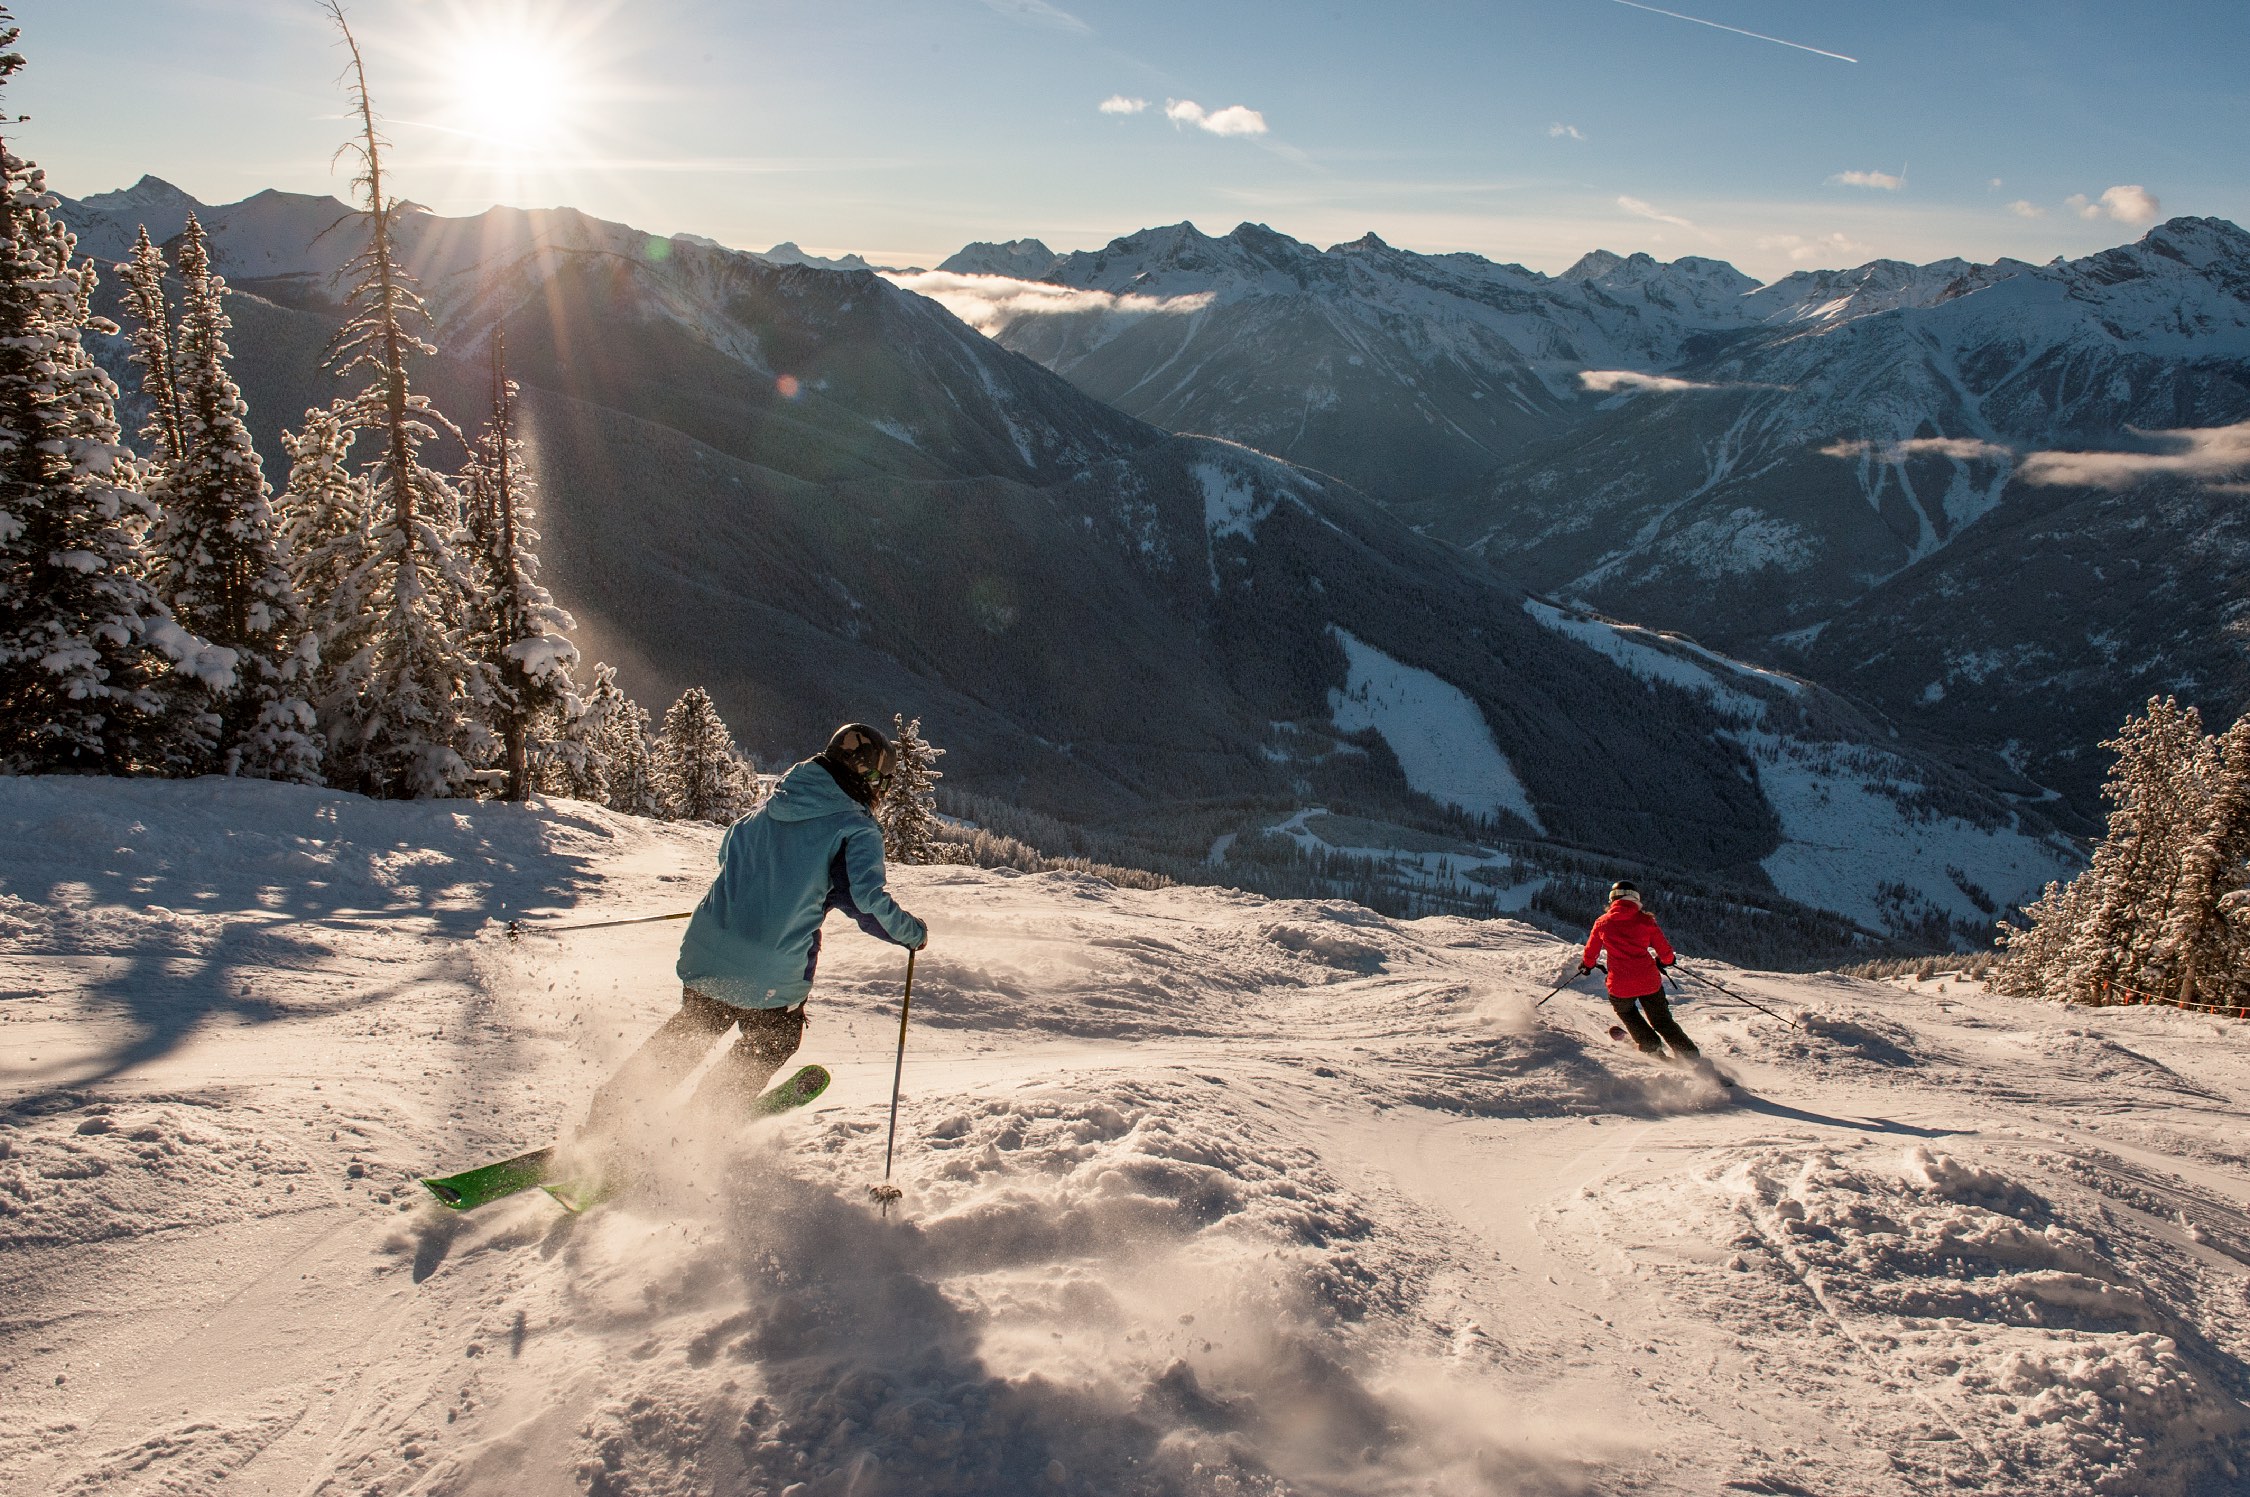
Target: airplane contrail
1737,30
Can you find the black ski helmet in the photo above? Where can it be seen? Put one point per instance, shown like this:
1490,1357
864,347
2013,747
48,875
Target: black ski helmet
1624,889
862,760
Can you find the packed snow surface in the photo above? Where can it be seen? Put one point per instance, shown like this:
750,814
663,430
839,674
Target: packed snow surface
1204,1193
1444,746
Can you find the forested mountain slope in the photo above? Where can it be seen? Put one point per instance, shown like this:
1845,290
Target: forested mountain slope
827,498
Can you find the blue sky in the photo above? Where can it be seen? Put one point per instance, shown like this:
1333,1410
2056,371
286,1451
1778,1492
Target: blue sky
1527,130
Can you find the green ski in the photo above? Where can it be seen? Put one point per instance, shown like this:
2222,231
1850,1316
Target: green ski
588,1191
473,1188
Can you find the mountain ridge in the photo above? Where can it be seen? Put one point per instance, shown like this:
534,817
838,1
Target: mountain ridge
813,492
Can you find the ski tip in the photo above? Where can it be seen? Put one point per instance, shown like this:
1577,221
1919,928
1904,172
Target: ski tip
446,1194
807,1084
569,1198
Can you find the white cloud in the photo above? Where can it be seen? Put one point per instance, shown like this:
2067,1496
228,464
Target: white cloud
1606,381
1640,209
2131,204
1560,131
1960,449
1038,13
2203,453
1799,248
1993,183
990,302
1119,104
1235,119
1882,180
2025,208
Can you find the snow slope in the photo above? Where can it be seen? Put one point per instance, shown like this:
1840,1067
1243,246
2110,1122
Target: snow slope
1204,1194
1444,745
1861,833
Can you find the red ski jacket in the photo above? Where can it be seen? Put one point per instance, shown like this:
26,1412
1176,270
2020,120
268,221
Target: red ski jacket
1628,934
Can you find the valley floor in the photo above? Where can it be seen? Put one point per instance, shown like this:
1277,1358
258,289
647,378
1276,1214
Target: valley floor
1203,1193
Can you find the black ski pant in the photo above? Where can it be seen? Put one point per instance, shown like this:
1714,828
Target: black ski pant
1649,1019
769,1037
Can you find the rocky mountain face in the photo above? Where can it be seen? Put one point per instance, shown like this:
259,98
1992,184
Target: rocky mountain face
827,498
1837,473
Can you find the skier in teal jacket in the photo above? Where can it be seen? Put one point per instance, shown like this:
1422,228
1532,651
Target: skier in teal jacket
753,943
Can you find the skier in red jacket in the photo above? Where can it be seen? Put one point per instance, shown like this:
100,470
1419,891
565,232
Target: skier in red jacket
1638,955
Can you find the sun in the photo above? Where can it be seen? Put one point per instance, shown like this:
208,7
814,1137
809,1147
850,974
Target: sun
511,94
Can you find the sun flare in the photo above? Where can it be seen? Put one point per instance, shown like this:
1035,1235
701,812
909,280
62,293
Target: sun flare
512,94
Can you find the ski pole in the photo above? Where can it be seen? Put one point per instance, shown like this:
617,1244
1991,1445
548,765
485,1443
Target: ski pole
1737,997
1558,987
887,1192
517,927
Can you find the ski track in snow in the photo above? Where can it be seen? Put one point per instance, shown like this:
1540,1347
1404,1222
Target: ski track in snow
1204,1193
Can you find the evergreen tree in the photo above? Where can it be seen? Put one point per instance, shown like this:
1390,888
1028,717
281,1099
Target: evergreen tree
576,731
87,651
330,546
694,762
2038,960
2157,790
2205,955
216,558
908,811
628,763
408,732
517,632
2151,914
152,350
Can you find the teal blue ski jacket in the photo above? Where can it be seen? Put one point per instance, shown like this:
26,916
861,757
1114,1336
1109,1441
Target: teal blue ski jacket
755,939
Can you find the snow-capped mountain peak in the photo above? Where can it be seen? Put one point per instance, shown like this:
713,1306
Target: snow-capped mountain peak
1023,259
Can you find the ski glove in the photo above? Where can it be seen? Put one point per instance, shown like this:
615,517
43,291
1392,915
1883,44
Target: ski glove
1583,969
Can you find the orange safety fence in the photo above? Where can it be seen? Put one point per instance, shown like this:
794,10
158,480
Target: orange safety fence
2116,995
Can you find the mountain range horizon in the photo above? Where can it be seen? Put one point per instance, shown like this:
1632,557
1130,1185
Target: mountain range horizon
1026,258
1341,510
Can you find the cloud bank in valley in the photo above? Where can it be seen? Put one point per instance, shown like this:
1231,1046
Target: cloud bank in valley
2206,454
1611,381
990,302
1960,449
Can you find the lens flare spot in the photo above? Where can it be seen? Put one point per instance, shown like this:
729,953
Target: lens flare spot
788,387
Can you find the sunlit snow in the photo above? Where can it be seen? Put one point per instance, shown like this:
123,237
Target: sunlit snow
1439,735
1204,1193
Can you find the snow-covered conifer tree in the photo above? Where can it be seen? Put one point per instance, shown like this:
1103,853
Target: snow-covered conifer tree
575,731
87,651
409,731
2149,914
216,559
2157,788
516,631
628,763
695,756
2203,955
152,350
2038,961
324,514
908,812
